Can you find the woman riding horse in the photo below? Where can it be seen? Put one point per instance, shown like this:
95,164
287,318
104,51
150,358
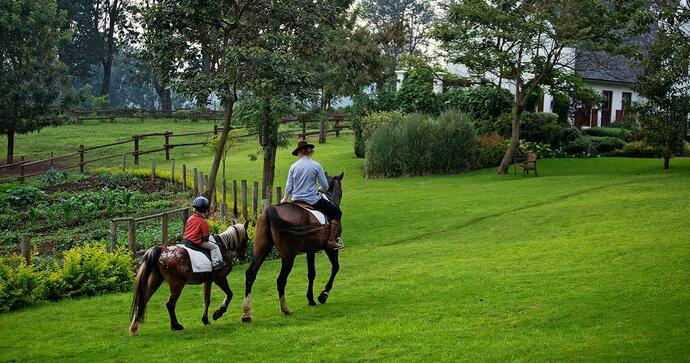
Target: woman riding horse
292,229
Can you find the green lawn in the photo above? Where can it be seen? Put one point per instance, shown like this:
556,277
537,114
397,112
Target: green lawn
589,261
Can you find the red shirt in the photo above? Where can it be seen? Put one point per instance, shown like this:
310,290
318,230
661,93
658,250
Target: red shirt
196,229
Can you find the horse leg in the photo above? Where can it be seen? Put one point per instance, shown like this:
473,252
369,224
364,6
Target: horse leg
282,281
175,291
335,266
222,282
311,274
207,302
263,243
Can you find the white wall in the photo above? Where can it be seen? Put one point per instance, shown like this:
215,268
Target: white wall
616,102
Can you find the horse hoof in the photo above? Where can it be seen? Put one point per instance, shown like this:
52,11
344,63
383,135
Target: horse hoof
312,303
217,314
205,321
246,319
177,327
323,297
287,312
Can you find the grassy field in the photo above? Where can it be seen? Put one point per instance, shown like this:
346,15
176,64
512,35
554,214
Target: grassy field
587,262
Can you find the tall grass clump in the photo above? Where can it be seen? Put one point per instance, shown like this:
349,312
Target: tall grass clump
421,145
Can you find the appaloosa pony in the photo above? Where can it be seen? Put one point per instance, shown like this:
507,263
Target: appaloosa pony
292,229
172,264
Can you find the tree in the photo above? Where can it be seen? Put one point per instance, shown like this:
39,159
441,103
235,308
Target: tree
256,46
528,44
400,25
351,61
664,83
99,27
30,37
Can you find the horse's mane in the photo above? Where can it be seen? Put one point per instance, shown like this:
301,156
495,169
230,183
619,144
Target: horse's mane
300,230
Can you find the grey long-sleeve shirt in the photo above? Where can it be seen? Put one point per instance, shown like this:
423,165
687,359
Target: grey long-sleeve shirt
301,180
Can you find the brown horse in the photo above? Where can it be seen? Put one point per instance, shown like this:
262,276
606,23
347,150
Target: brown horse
172,264
292,230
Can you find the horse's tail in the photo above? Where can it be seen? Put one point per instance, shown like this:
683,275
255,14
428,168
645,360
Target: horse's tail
299,230
140,298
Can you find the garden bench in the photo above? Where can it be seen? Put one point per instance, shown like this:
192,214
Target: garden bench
530,163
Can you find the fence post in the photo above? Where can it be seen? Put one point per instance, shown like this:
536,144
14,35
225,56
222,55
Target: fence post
234,199
184,177
266,202
223,204
153,170
196,182
141,114
245,211
52,161
206,182
113,235
81,159
26,248
337,127
136,150
172,172
215,129
124,161
132,236
164,228
304,128
255,199
185,216
21,173
279,196
202,187
167,144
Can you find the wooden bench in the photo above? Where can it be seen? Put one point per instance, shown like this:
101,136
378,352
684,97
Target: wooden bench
530,163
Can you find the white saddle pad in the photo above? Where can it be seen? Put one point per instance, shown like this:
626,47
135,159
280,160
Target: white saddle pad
200,263
319,215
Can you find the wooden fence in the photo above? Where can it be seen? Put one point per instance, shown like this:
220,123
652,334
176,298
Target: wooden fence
37,167
112,114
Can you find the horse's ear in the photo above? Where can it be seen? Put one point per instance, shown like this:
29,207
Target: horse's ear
341,176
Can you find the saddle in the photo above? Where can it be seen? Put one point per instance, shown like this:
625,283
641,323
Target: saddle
323,220
193,246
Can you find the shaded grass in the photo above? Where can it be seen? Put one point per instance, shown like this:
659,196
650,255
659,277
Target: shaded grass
587,262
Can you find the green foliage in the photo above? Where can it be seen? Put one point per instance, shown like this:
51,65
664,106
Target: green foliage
19,284
417,92
544,127
90,270
30,33
593,145
421,145
24,197
639,149
620,133
491,150
483,103
373,121
52,177
542,150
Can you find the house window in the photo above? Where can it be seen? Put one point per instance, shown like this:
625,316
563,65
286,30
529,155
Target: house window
627,100
606,108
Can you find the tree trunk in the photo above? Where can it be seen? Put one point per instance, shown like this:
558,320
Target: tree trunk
269,143
514,141
164,94
10,144
323,126
107,70
211,186
666,161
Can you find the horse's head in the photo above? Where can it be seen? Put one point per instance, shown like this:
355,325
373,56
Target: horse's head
335,187
236,238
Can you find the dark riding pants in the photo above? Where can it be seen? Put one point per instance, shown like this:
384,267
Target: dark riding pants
329,209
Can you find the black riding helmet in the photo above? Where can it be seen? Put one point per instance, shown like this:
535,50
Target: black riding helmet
200,204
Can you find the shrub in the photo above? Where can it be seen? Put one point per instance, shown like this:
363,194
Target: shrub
502,125
365,126
89,270
417,92
24,196
421,145
544,127
618,132
593,145
19,284
483,103
639,149
543,151
491,150
456,143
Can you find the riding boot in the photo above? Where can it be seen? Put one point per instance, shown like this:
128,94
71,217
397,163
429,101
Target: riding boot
331,243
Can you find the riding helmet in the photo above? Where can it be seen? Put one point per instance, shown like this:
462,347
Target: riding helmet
201,204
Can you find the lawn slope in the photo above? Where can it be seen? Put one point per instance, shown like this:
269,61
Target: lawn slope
587,262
